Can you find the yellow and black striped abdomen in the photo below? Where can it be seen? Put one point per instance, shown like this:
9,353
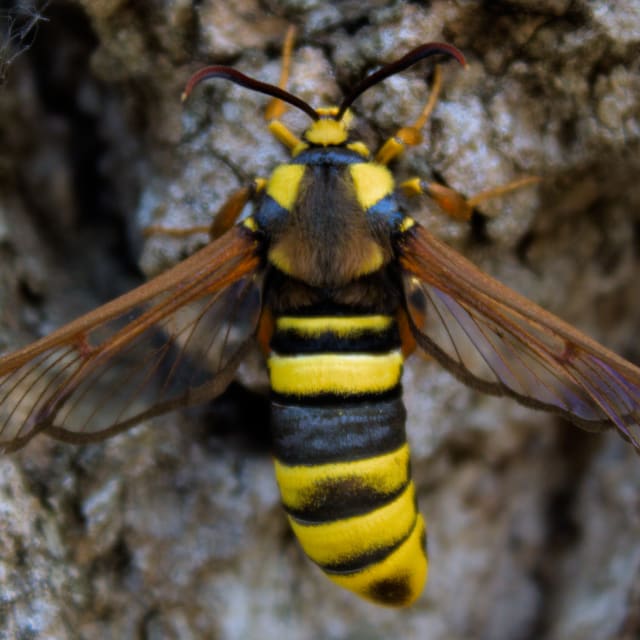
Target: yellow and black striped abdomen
342,460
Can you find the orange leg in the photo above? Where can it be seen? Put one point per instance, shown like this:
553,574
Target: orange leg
411,135
275,108
229,212
452,202
223,220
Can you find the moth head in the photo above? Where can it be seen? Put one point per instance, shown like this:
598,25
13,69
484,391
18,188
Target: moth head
329,130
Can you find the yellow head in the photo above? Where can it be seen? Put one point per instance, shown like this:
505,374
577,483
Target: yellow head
327,131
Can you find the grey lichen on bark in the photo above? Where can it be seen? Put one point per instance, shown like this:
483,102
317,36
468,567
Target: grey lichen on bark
173,532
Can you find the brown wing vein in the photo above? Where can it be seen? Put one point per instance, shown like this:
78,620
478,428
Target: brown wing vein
507,362
107,359
522,350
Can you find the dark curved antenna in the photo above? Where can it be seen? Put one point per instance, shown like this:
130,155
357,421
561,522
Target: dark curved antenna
415,55
229,73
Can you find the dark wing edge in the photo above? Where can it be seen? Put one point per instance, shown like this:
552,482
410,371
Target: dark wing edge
501,343
125,362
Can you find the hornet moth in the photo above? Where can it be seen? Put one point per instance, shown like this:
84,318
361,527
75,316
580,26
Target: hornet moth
338,286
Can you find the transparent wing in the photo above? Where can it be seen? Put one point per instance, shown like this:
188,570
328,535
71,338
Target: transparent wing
501,343
129,359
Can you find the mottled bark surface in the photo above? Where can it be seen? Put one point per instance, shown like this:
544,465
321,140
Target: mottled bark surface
174,530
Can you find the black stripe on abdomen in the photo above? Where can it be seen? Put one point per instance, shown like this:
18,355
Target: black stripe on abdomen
333,432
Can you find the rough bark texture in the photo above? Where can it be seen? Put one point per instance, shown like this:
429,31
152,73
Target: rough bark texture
174,530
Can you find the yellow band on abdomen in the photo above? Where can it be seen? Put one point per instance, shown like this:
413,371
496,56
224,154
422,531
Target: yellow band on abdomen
344,541
335,373
341,326
303,486
396,581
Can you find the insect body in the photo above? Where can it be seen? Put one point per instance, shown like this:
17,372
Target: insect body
342,460
338,285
